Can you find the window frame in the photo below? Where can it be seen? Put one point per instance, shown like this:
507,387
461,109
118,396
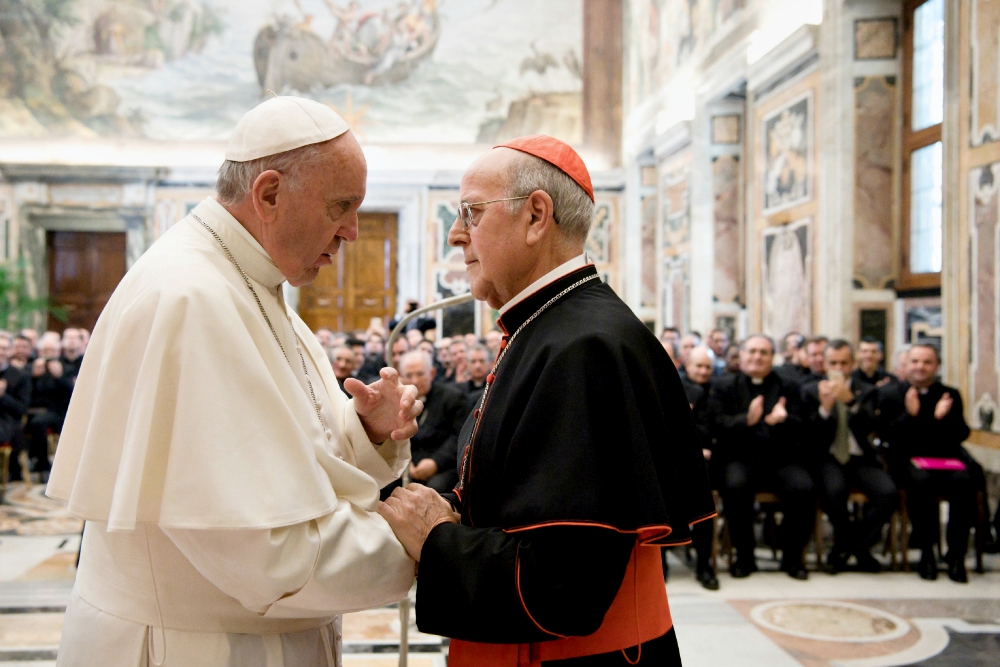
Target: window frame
911,142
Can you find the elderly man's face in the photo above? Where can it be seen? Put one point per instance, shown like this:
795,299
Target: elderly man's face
497,254
343,362
457,354
418,372
72,340
699,366
304,223
493,339
399,348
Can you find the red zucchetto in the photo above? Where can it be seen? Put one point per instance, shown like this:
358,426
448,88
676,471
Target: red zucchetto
557,153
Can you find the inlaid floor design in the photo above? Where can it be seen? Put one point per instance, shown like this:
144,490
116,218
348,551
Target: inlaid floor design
847,620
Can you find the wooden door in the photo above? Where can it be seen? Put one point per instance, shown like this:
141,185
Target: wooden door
361,282
84,269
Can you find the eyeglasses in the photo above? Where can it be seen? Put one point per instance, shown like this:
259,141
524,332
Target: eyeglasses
465,210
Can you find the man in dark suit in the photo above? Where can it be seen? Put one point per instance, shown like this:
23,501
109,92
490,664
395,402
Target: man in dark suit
757,428
51,390
478,362
794,369
922,419
72,352
696,382
869,370
838,428
435,446
15,396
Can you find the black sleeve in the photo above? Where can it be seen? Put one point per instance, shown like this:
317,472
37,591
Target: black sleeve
451,424
819,431
482,584
730,418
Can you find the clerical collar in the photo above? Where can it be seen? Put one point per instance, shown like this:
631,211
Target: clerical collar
555,274
521,311
245,248
754,380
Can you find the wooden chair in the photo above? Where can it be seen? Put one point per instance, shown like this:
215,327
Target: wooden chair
858,499
980,526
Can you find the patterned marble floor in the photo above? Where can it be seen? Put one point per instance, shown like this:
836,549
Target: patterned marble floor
848,620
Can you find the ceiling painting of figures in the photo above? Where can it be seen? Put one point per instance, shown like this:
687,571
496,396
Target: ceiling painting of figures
410,71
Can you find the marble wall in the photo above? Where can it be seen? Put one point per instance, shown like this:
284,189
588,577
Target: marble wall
675,239
985,363
727,282
874,178
985,85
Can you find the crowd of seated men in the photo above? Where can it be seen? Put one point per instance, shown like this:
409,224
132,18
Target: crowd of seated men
37,376
450,376
827,422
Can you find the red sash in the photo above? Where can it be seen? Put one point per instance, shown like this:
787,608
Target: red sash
639,614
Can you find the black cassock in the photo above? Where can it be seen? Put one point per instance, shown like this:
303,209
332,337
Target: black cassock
585,440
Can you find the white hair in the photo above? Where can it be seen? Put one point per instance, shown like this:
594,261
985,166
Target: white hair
572,208
236,179
424,358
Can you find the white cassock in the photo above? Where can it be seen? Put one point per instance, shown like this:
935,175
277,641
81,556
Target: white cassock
224,527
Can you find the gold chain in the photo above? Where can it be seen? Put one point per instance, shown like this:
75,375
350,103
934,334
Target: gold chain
298,343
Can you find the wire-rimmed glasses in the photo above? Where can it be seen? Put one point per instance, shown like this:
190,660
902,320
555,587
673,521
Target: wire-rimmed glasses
465,210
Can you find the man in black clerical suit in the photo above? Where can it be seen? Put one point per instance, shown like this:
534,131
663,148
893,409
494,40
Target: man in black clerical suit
758,431
51,390
795,367
478,362
72,352
838,430
435,445
583,461
923,418
697,385
15,396
869,370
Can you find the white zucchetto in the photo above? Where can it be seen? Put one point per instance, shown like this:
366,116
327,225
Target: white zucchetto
281,124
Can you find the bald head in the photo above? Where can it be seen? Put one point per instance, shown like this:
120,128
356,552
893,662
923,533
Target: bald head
699,364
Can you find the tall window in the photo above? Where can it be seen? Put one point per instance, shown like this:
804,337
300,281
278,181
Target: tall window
923,112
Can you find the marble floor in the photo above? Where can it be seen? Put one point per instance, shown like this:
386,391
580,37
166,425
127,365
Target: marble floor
847,620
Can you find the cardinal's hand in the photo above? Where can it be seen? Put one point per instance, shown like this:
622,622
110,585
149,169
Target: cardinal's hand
413,513
387,407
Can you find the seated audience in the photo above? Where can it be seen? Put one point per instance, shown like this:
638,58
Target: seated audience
697,387
72,352
22,353
838,430
374,358
479,363
493,339
687,343
718,341
324,336
399,348
457,368
344,360
50,394
733,358
869,370
435,446
923,422
794,368
15,396
757,431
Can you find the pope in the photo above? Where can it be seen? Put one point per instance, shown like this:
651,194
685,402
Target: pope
229,486
581,460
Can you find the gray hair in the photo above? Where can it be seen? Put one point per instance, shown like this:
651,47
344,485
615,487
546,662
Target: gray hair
480,348
572,208
424,358
236,179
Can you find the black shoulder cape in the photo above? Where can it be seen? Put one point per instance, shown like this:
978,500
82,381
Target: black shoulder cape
585,423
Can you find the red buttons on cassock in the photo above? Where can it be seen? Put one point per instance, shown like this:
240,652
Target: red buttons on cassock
490,378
